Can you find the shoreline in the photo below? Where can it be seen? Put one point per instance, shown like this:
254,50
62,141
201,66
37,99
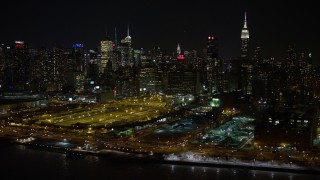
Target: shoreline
120,156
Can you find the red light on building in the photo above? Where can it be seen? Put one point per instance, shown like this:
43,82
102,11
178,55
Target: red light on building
114,92
19,46
113,45
180,57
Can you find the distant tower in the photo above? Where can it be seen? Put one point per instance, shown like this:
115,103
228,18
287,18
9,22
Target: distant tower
309,58
292,56
128,38
125,49
244,39
212,48
178,49
106,53
115,36
247,65
128,30
214,66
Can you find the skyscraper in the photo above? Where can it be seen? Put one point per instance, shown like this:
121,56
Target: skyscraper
178,50
17,66
247,64
245,39
125,48
106,53
214,66
54,69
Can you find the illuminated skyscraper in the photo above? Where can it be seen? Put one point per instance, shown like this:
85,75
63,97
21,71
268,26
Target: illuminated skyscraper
128,38
244,39
214,66
54,69
38,57
106,54
17,70
178,50
247,65
125,48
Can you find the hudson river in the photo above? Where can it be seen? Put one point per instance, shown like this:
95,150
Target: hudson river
21,162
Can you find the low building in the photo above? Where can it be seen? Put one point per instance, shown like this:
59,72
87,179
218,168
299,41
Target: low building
287,128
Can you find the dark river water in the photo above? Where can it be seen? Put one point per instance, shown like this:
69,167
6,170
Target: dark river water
21,162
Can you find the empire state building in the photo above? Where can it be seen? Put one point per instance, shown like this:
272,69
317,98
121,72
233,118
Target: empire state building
247,66
244,39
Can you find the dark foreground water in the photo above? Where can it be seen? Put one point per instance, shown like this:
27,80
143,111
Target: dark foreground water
20,162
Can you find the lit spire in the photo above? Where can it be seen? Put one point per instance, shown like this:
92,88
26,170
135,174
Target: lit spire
128,30
128,38
178,49
245,31
245,20
108,37
115,35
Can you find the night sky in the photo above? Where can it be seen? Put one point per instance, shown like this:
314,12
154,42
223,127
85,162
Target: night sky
273,25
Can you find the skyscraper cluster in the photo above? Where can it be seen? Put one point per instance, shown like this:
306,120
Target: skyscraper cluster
116,67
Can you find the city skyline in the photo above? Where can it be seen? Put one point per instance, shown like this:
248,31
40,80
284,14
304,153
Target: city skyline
229,86
165,24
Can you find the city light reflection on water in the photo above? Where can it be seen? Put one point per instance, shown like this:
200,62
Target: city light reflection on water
40,164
